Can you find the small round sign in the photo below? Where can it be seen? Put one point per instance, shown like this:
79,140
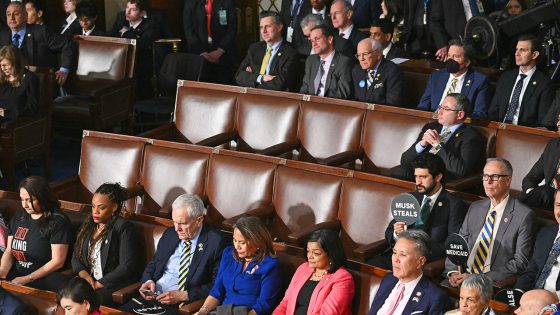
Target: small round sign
405,208
509,296
457,249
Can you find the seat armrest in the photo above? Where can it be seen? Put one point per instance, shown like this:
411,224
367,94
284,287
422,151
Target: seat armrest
341,158
369,250
219,139
165,132
463,183
123,295
296,238
280,148
165,212
435,268
192,307
263,213
508,282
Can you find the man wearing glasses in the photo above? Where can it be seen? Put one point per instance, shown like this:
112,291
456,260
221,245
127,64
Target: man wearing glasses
499,229
459,145
376,79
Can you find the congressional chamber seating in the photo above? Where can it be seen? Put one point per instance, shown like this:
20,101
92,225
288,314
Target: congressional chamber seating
101,91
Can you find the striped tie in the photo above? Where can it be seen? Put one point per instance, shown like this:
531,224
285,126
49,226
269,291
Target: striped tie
452,87
484,244
184,264
370,74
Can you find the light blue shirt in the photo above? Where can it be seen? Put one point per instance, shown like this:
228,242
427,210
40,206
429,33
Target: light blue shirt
170,279
453,128
275,49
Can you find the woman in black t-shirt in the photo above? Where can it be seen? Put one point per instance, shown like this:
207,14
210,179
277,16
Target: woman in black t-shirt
38,238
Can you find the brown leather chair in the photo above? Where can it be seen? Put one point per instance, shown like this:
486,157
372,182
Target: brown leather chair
29,137
169,170
267,124
415,83
203,116
365,198
367,280
329,134
100,93
304,201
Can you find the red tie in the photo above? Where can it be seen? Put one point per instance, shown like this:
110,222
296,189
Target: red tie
209,16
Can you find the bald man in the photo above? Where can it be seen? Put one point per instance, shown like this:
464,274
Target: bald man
532,302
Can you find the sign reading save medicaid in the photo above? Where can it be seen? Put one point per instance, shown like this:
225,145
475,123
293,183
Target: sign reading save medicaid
457,249
405,208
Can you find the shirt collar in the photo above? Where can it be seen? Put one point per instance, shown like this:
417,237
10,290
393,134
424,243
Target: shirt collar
330,57
347,31
322,12
386,49
20,32
529,73
433,197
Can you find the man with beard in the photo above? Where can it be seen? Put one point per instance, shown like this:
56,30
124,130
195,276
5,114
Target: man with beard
458,77
441,213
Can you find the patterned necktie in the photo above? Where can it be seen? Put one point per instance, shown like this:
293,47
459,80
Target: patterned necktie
484,244
452,87
15,40
474,7
552,257
445,133
184,264
319,77
265,61
514,104
424,212
370,75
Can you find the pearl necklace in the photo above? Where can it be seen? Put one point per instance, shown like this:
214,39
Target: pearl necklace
316,277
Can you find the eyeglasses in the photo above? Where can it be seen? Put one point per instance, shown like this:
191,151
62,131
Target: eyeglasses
316,39
447,109
494,177
364,55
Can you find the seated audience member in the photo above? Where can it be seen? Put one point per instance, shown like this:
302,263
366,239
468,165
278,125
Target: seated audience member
71,25
523,95
39,46
35,10
87,15
19,88
382,30
458,77
271,63
376,79
533,302
309,22
163,278
11,305
249,280
38,238
341,17
441,213
476,291
327,73
106,253
292,12
407,290
77,297
459,145
498,230
132,24
321,285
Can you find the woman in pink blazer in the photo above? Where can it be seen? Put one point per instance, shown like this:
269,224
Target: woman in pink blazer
321,286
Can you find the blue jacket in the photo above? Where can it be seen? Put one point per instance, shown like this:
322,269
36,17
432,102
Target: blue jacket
475,87
259,287
11,305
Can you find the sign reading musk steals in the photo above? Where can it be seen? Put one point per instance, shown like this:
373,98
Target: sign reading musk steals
405,208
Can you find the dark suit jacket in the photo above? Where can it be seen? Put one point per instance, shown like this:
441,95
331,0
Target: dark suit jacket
461,153
339,77
356,36
396,52
283,67
543,246
11,305
42,47
73,29
388,85
534,104
196,32
545,167
475,87
285,11
365,11
427,297
513,242
445,218
447,19
120,256
204,264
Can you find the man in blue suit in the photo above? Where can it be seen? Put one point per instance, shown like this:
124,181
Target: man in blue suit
160,280
458,77
407,290
11,305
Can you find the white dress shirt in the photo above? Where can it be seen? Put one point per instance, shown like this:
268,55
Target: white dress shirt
458,86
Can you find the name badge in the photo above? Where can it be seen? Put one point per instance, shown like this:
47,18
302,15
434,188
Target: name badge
222,17
480,6
290,34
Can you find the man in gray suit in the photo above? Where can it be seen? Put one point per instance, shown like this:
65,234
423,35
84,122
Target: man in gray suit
327,72
498,229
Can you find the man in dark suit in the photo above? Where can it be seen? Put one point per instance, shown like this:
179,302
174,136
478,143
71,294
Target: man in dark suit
210,28
441,213
523,96
498,230
327,73
407,290
365,11
341,45
416,36
162,279
341,17
460,146
376,79
271,63
292,12
458,77
11,305
382,30
38,45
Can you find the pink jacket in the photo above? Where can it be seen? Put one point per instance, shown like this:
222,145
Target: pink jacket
332,295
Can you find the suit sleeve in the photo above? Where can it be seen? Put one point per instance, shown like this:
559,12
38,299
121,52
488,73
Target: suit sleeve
536,174
426,99
157,260
395,88
389,231
409,155
128,257
194,45
527,279
243,77
31,106
77,265
465,231
440,304
286,72
436,23
228,40
482,98
544,104
494,107
462,162
305,89
345,86
340,297
457,212
202,291
66,47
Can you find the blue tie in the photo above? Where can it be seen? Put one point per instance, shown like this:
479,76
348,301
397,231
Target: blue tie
474,8
15,40
515,98
552,257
